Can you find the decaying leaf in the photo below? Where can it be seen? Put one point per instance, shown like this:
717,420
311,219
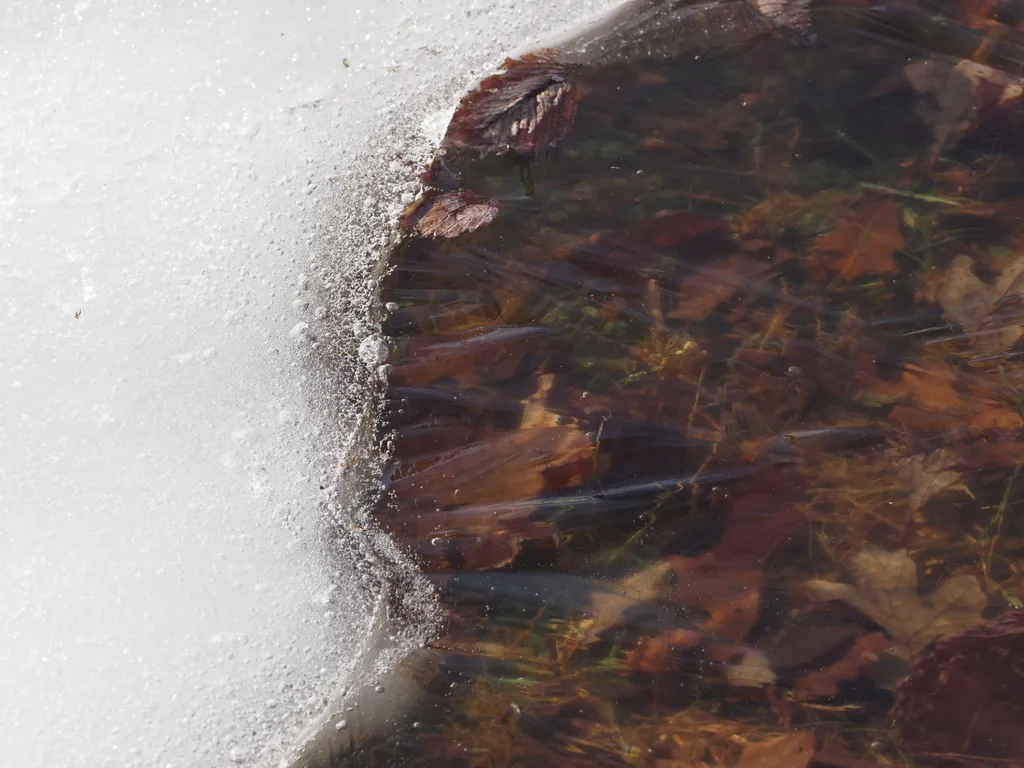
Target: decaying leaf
790,750
825,680
926,475
525,109
936,397
976,306
513,465
701,292
955,94
730,596
447,214
965,695
886,592
866,242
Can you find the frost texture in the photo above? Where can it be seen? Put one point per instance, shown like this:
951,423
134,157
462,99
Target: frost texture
181,186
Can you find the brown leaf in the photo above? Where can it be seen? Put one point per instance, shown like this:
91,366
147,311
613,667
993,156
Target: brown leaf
512,465
936,398
824,681
447,214
790,750
865,243
886,592
928,474
965,694
975,305
730,596
495,352
525,109
955,94
709,285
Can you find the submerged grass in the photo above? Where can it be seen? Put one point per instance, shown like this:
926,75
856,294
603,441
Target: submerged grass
750,359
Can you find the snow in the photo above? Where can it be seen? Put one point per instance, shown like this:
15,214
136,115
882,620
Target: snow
193,200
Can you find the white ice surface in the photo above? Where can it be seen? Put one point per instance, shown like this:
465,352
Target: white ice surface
181,186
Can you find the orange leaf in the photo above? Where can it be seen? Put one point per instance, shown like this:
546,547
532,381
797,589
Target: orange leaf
865,243
825,681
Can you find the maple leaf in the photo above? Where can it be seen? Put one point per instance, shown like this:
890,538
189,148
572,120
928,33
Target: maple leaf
866,242
886,592
928,475
448,214
525,109
985,311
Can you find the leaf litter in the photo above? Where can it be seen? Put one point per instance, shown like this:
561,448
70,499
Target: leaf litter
711,439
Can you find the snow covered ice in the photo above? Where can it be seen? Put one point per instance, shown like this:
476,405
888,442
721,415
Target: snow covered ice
192,199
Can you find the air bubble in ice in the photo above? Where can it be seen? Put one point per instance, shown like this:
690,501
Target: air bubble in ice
373,351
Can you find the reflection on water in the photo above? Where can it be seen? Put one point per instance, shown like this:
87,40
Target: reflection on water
711,436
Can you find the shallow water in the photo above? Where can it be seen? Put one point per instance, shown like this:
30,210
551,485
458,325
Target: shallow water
711,438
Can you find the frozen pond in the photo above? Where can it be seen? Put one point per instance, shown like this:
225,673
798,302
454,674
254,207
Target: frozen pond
186,196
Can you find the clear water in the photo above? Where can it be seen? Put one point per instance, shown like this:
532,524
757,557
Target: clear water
710,440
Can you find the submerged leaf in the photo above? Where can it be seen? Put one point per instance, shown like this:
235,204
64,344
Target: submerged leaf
866,242
965,695
928,475
448,214
953,95
886,592
790,750
525,109
976,306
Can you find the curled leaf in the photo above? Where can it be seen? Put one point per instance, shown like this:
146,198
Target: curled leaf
526,108
448,214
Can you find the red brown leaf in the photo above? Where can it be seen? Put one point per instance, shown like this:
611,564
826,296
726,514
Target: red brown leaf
525,109
448,214
865,243
965,693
